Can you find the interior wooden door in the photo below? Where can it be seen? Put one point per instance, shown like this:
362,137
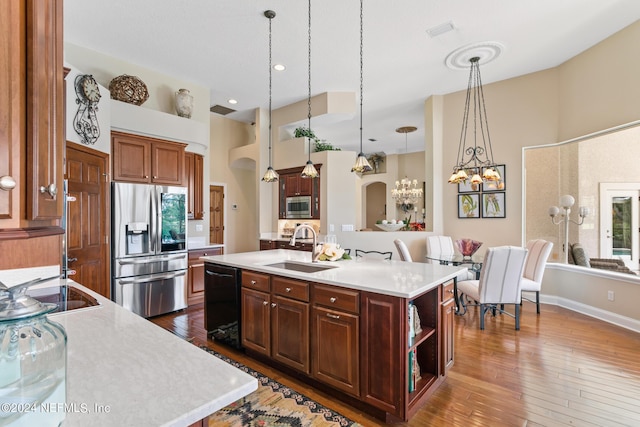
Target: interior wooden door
216,214
88,217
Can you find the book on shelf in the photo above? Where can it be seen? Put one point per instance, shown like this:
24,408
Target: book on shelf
411,379
411,311
416,321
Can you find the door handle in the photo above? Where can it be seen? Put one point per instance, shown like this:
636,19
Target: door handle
72,259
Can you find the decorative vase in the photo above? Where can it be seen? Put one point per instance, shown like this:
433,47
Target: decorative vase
184,103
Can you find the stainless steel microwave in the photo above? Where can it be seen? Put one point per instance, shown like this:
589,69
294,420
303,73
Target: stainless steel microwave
298,207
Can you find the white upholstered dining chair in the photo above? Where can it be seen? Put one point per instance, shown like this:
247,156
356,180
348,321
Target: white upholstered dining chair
442,246
403,250
539,251
499,284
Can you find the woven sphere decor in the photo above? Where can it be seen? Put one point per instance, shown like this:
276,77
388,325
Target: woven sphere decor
129,89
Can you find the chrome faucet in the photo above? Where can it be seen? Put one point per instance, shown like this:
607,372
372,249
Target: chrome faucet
314,256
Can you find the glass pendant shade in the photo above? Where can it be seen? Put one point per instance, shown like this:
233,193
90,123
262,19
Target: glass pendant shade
309,170
362,164
270,175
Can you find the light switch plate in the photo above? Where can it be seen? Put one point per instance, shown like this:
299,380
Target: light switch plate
347,227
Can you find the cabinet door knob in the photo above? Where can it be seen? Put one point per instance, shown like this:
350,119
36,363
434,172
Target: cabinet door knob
287,289
146,177
51,189
265,302
7,183
273,304
333,316
332,299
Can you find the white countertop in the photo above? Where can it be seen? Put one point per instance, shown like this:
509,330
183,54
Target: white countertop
395,278
143,374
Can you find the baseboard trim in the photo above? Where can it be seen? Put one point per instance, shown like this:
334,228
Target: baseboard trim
606,316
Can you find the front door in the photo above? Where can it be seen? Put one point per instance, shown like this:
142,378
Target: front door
87,218
619,221
216,214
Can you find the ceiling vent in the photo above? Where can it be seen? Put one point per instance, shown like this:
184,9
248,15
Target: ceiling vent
219,109
440,29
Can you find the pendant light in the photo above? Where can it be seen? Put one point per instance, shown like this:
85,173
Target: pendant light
270,175
474,159
309,170
362,164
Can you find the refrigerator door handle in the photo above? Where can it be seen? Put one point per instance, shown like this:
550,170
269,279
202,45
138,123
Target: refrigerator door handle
146,261
152,277
153,217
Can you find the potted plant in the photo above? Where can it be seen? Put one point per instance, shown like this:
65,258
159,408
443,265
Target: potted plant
305,132
375,159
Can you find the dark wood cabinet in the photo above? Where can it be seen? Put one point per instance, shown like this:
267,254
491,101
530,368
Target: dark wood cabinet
31,116
276,323
284,244
448,313
296,185
290,323
147,160
383,353
193,171
358,343
195,276
335,338
292,184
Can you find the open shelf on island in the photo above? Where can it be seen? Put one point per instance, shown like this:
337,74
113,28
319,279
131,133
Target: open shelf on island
420,337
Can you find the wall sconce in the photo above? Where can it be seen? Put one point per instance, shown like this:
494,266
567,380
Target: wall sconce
566,202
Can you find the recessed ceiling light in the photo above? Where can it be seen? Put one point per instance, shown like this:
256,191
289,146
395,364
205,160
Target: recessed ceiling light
232,101
440,29
279,67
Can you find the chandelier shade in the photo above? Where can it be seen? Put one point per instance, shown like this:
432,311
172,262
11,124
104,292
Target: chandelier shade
475,158
309,170
270,175
362,164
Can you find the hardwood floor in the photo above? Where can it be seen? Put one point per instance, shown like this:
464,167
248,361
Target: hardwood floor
562,368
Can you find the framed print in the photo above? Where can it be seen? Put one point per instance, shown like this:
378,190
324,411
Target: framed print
496,185
468,187
469,205
493,205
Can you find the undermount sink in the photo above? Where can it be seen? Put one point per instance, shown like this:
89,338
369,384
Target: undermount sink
301,266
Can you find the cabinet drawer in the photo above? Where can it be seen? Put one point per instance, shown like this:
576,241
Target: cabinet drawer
337,298
291,288
194,254
256,281
447,291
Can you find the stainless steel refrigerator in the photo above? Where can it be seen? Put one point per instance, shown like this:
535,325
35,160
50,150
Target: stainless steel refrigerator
148,250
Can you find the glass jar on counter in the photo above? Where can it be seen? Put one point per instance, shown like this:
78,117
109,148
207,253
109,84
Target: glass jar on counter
33,361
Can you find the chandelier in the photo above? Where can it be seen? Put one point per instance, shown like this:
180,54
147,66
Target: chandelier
362,164
270,175
309,170
406,194
475,159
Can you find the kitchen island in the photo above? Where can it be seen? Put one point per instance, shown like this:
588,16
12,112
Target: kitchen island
123,370
376,334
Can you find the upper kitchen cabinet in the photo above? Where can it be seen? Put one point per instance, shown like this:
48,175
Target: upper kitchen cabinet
31,117
299,198
147,160
193,171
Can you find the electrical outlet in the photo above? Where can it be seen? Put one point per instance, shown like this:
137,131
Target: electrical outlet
198,227
610,295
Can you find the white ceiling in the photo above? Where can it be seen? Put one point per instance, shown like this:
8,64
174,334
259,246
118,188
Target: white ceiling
223,45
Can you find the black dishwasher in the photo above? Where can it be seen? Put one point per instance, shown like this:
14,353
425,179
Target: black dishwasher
222,303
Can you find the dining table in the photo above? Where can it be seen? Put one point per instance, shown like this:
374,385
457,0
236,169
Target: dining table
475,261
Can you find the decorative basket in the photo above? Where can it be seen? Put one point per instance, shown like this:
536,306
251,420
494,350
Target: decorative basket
391,227
129,89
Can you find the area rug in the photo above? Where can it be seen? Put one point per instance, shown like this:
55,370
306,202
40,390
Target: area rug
274,405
